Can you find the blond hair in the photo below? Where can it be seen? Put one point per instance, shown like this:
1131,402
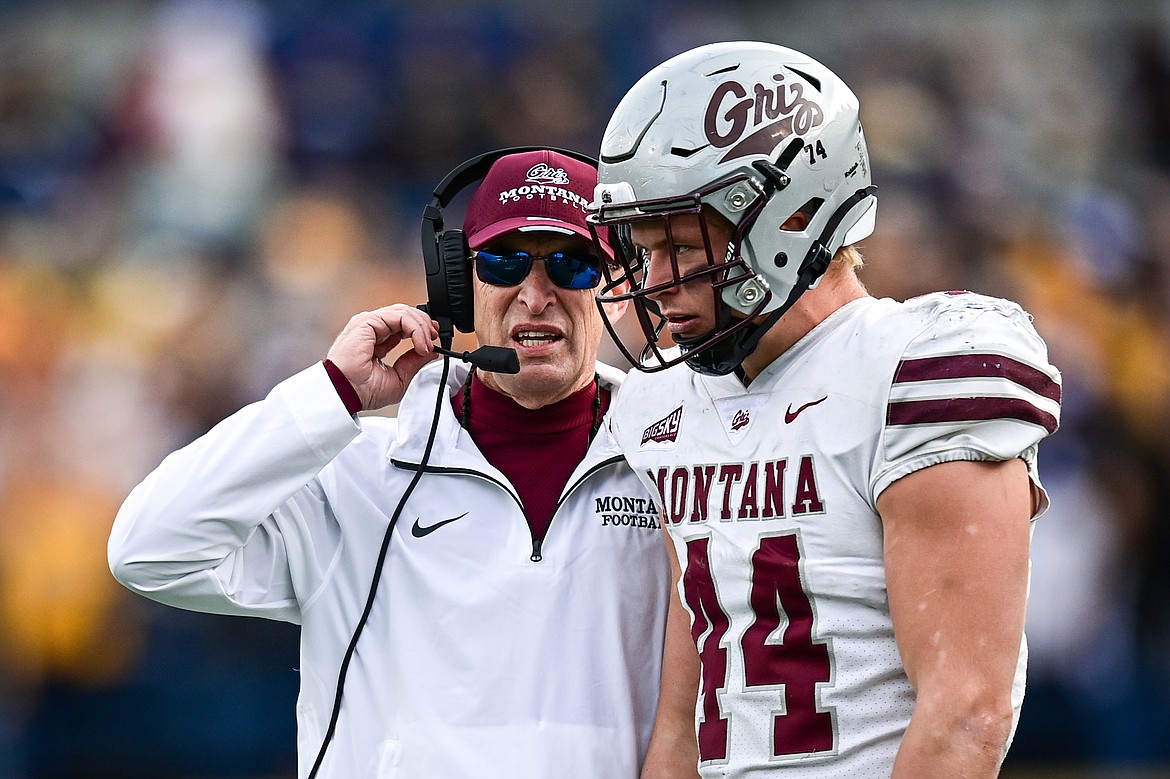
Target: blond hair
850,257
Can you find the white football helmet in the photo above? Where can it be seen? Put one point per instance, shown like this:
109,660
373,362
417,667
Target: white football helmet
757,132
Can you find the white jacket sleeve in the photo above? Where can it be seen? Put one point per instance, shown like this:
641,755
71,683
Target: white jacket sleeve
214,526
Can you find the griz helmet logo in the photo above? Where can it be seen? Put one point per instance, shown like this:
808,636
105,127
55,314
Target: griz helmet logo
755,120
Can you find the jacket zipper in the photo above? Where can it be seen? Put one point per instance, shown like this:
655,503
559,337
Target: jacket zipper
537,543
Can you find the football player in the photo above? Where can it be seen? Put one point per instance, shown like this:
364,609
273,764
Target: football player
848,483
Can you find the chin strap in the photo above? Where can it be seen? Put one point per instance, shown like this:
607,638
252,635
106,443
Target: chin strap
723,357
726,355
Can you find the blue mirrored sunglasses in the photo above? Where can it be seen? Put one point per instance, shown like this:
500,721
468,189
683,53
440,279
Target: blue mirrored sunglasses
567,271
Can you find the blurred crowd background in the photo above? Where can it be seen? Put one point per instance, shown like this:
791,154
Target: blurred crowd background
195,195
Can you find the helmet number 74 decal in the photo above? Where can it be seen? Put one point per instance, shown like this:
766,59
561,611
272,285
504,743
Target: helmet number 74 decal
794,666
815,150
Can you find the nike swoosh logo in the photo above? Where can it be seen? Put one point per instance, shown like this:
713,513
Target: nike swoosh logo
418,531
790,415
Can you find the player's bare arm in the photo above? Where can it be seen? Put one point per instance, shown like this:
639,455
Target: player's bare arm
369,337
956,551
674,751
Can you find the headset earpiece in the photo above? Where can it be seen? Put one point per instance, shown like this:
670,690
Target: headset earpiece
455,258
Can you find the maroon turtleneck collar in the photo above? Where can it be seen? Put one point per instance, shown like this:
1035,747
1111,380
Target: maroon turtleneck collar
536,449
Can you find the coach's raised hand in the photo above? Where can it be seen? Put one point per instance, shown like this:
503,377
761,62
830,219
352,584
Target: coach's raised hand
359,352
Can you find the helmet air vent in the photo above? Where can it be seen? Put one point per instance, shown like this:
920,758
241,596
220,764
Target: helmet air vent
816,82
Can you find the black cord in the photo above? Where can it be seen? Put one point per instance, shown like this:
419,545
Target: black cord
440,397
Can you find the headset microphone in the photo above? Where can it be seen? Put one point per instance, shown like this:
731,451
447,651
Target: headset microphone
495,359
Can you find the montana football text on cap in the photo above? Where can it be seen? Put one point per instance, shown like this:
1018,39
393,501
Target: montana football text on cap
532,191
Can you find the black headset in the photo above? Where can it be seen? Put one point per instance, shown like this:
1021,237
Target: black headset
448,266
445,252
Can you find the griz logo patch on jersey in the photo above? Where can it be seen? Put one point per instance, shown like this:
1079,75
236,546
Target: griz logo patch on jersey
664,430
753,120
761,489
623,511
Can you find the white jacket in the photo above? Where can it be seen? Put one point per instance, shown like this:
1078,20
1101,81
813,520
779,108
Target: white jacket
479,658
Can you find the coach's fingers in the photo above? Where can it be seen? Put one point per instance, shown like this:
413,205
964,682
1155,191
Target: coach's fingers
367,340
409,363
371,335
400,320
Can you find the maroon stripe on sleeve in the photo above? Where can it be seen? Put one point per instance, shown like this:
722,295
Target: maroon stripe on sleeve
918,412
970,366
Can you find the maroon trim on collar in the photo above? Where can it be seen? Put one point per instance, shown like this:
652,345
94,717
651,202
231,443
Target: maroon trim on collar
497,410
536,449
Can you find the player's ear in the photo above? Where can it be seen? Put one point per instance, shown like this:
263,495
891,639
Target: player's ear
615,310
796,223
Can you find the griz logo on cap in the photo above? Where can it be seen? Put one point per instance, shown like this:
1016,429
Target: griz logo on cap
755,120
546,182
541,173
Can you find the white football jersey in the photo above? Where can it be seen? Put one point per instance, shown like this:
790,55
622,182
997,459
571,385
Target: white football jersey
770,496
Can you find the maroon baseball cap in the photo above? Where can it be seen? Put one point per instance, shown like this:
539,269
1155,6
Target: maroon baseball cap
532,191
